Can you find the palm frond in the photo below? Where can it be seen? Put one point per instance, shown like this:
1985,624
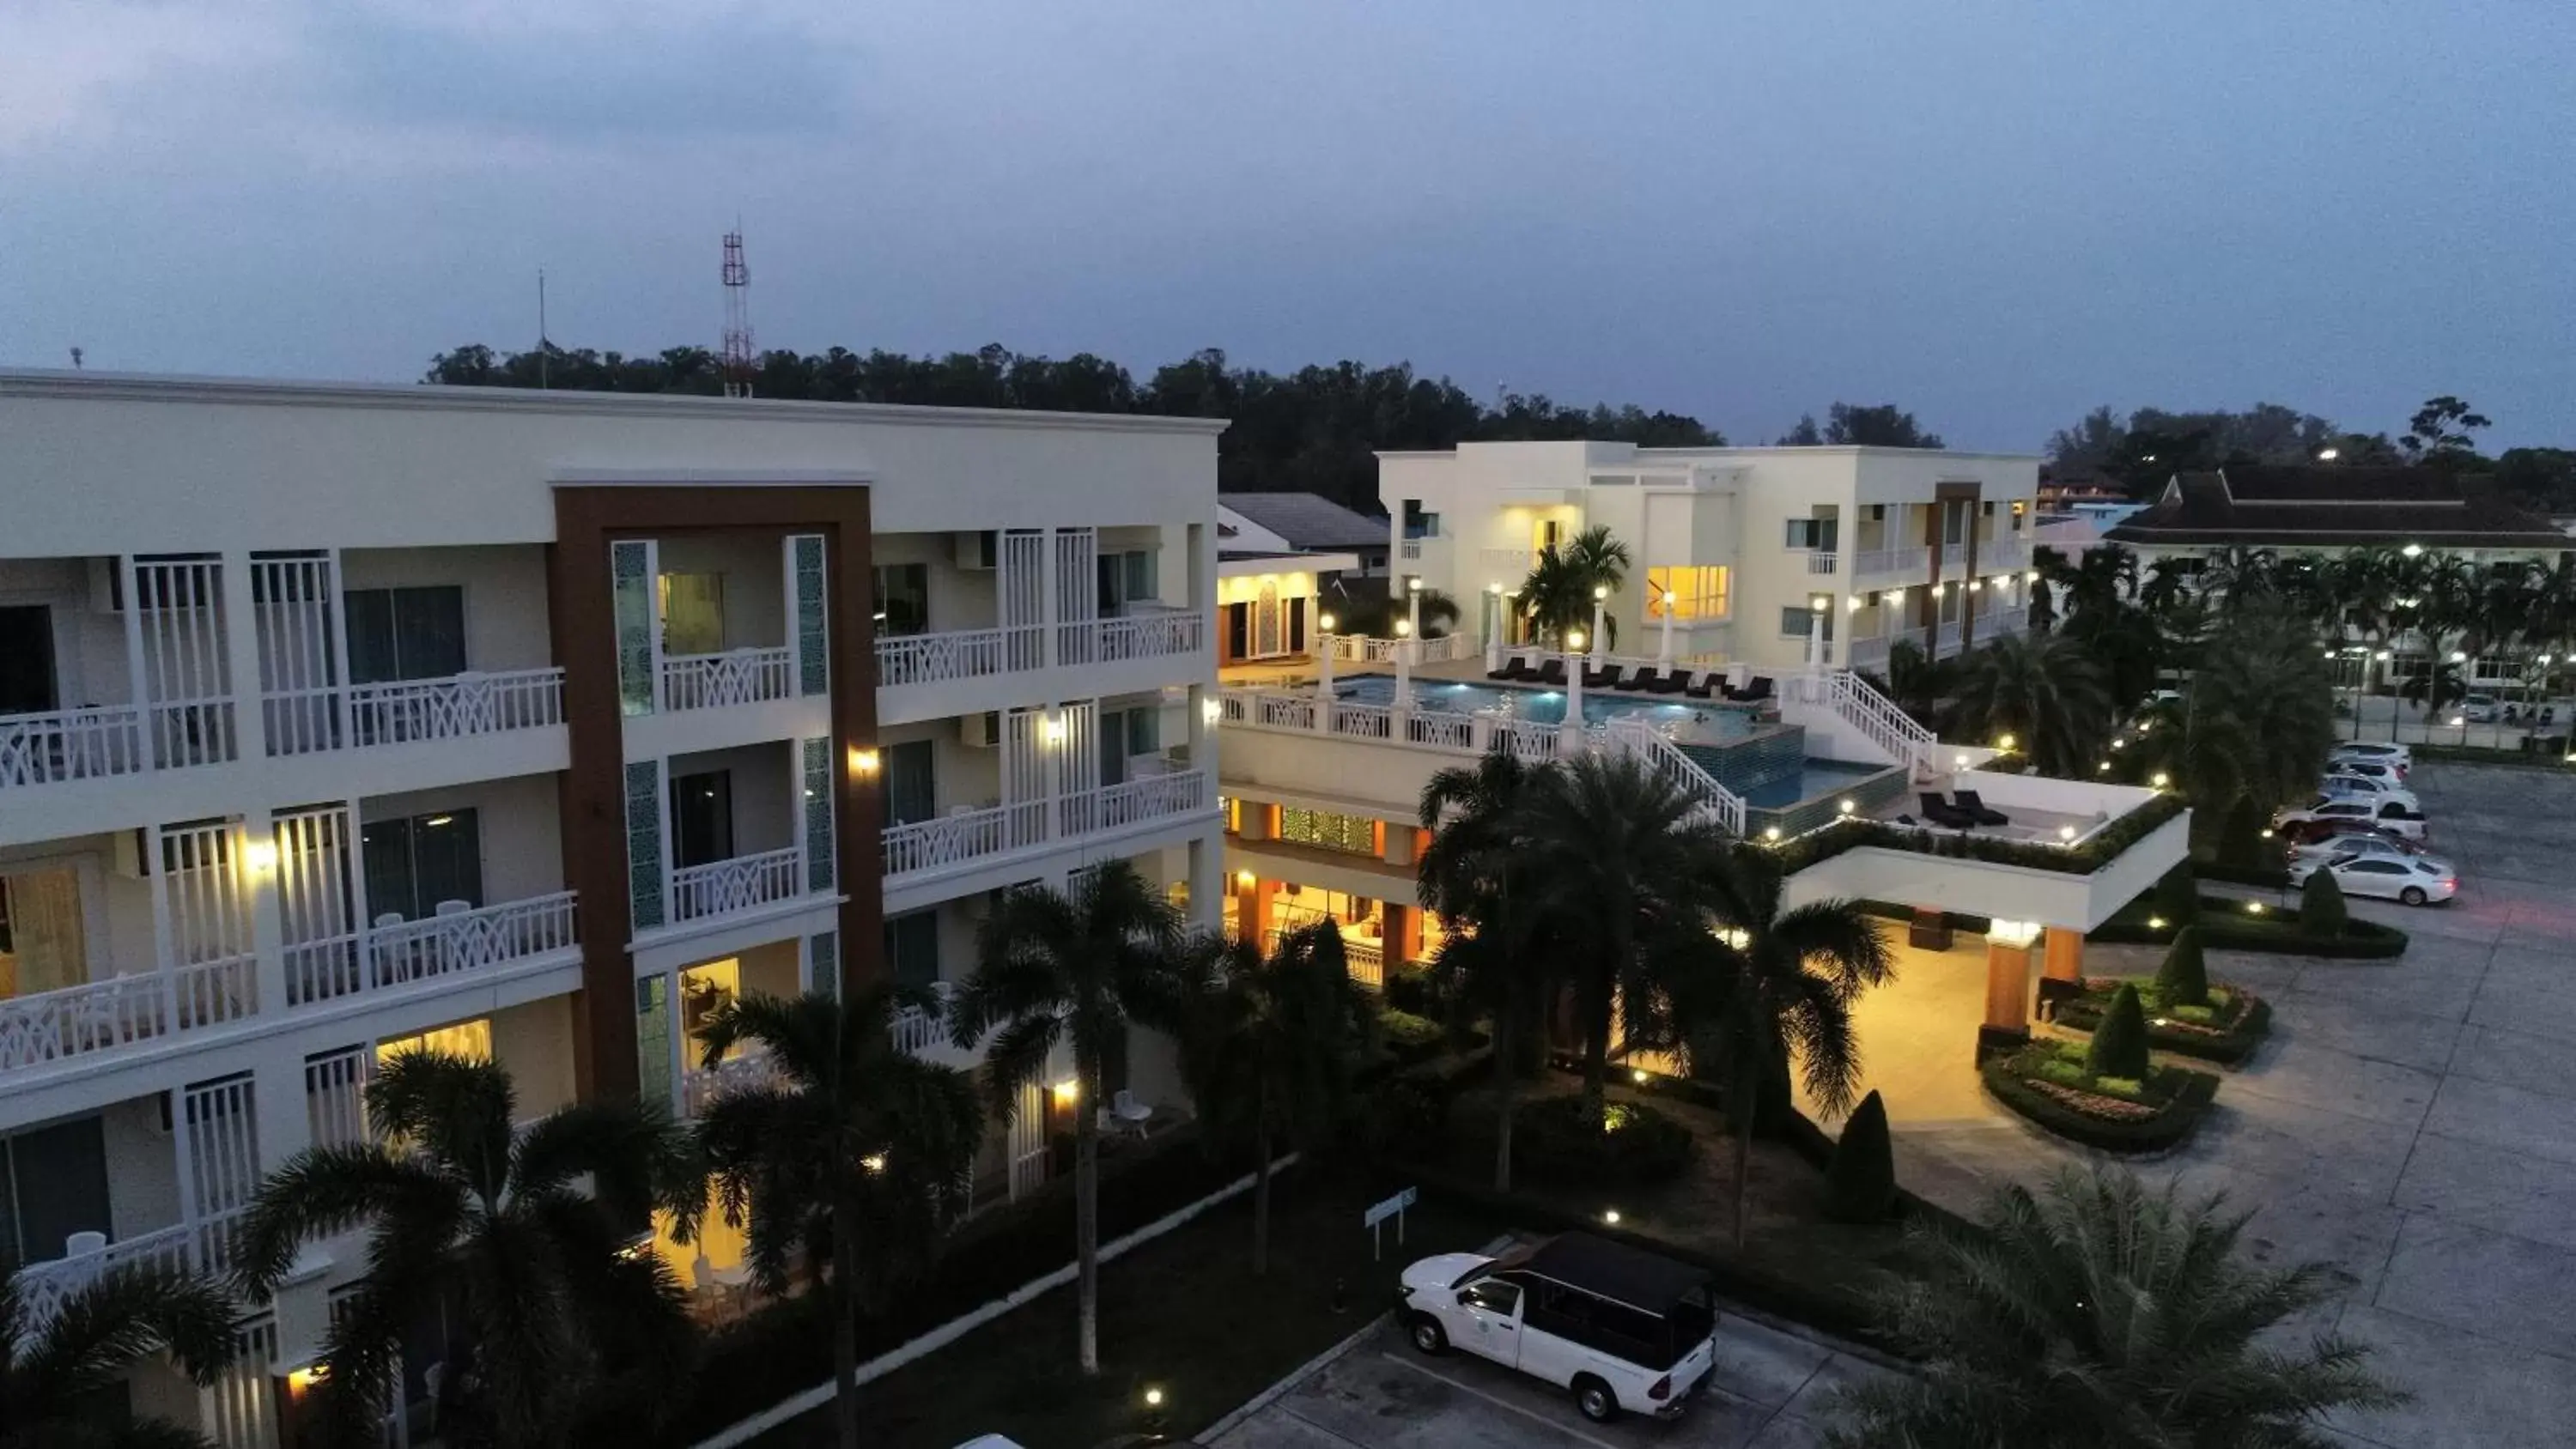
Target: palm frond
324,1191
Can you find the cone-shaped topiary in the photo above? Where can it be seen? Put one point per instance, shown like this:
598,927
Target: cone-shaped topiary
2240,840
2178,896
2120,1043
1860,1182
2321,909
2184,979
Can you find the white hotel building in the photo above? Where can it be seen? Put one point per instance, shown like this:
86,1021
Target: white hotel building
535,725
1775,557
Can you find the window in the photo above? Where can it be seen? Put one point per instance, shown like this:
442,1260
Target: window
1815,533
1698,593
27,660
1494,1296
414,863
2376,867
903,599
1126,578
701,818
912,782
693,614
53,1183
1124,734
1797,623
912,947
405,633
1417,522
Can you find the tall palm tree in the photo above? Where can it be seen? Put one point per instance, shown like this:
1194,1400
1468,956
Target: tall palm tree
1495,954
550,1320
1621,859
2044,689
1269,1051
858,1155
1558,594
1773,988
1918,683
1078,970
1601,558
2236,574
2097,1313
2259,718
50,1370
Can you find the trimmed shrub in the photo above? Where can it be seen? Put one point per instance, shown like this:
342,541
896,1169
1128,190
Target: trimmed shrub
2183,980
1410,988
1860,1183
2155,1111
2178,896
1408,1037
2120,1043
1555,1140
2322,915
2240,840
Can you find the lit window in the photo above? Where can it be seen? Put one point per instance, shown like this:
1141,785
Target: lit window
1698,593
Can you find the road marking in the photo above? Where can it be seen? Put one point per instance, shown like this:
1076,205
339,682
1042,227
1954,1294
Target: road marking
1532,1415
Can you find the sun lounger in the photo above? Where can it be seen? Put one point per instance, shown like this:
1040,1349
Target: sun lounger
1977,810
1940,812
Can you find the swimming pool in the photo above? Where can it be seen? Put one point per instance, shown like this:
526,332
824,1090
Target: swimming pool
1707,718
1813,779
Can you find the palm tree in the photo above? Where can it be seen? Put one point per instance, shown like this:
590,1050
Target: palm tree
1918,683
1079,970
52,1368
1773,987
1619,858
2043,689
1475,875
1559,593
855,1143
1599,557
2097,1313
550,1320
2236,574
1269,1052
2259,717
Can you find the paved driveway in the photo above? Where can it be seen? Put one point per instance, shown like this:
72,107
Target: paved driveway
2412,1123
1768,1393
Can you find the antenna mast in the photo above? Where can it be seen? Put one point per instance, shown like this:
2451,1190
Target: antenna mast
737,328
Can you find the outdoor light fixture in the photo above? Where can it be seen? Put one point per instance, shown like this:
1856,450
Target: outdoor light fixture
1846,806
863,762
1245,878
1403,628
2267,834
2004,742
1855,603
1153,1398
1210,709
2253,908
2328,455
2066,833
1413,585
2032,576
1574,641
306,1377
873,1162
2104,768
1053,729
1671,598
1067,1091
1494,589
1771,833
1975,584
1737,937
2012,933
1639,1075
260,855
1610,1216
1600,591
2413,550
2459,657
2155,923
2382,656
436,821
2160,780
2459,722
1961,761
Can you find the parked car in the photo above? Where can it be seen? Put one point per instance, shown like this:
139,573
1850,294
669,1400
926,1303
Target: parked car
2417,882
2299,833
2479,708
1620,1328
2363,787
2369,843
2368,770
2385,753
2390,815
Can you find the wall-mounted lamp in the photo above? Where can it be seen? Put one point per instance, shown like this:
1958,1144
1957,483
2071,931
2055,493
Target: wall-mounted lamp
1327,622
1210,709
1403,628
1067,1091
864,762
2031,577
2012,933
260,855
1246,879
1052,729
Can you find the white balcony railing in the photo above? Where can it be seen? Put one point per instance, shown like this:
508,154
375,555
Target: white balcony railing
1152,635
745,882
702,1085
1998,555
967,836
204,1246
123,1010
461,706
1823,563
1134,802
917,1031
960,654
723,681
1411,549
445,945
1906,563
73,744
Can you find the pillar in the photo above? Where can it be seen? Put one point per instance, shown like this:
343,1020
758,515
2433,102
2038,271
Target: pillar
1403,940
1252,914
2007,1023
2065,959
1397,842
1207,880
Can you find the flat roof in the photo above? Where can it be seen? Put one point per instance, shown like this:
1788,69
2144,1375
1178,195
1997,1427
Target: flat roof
188,388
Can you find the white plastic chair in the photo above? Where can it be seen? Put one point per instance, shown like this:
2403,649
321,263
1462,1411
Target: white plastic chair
1125,1114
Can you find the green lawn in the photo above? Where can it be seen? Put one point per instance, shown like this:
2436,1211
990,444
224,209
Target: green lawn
1182,1313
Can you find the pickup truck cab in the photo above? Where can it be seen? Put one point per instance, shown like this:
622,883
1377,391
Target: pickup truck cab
1622,1329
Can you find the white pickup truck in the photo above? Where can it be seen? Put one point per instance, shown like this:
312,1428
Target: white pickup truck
1620,1328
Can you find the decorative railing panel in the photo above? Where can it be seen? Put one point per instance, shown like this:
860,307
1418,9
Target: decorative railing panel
408,951
461,706
939,658
74,744
723,681
1153,635
743,883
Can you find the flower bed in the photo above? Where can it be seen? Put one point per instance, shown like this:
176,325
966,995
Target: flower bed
1556,1141
2047,1082
2225,1031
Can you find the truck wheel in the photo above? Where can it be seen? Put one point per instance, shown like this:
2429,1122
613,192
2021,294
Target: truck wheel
1428,1335
1594,1399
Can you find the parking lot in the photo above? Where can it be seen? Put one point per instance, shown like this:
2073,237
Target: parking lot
1769,1392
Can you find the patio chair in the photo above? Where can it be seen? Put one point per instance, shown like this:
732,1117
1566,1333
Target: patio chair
1701,690
1941,813
1551,672
1674,681
1601,678
1643,679
1125,1114
1759,690
1977,810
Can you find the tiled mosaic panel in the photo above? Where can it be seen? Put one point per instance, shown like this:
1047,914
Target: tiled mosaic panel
630,574
818,813
1327,829
823,962
813,633
653,1040
644,842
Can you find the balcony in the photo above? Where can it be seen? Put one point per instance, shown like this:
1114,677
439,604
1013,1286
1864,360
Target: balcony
742,883
1907,565
1824,562
728,680
969,837
457,940
701,1086
201,1247
122,1011
463,706
1508,566
75,744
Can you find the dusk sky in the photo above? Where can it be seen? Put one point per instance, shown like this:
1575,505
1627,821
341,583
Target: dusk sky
1997,215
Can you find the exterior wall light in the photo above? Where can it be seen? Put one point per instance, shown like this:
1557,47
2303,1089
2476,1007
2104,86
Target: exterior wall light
1246,879
2066,833
2161,780
1067,1091
1326,623
2413,550
2012,933
1413,584
260,856
864,762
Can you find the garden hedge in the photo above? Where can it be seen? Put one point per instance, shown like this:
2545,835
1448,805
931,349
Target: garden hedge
2119,1044
1852,832
1555,1140
2322,912
2186,1096
2226,926
2229,1046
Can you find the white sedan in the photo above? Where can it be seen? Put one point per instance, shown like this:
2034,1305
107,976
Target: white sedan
2376,752
2305,858
2416,882
2362,787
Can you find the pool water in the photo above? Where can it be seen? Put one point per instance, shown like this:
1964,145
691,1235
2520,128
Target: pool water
1707,719
1814,779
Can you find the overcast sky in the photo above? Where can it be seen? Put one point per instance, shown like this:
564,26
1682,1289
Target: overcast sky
1997,215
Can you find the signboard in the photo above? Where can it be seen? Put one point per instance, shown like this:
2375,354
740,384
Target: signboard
1380,1211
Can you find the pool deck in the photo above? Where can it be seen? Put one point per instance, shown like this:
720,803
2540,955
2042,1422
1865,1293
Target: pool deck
2036,826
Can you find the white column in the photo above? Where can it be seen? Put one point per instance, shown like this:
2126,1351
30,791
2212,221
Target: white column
1569,738
258,843
1494,634
1324,682
1047,609
1404,666
1413,606
1664,651
241,650
342,681
135,676
1207,882
1600,607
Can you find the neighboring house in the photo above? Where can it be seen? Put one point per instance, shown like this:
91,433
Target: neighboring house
1773,557
2065,486
1307,523
534,726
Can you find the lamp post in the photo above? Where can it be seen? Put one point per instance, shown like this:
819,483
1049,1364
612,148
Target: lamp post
1600,605
1494,629
1569,735
1413,604
1664,651
1403,664
1324,673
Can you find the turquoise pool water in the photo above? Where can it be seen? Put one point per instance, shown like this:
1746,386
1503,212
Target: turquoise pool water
1814,779
1709,719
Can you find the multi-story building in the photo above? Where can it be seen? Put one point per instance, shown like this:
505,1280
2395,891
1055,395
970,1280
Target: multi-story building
536,725
1772,557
